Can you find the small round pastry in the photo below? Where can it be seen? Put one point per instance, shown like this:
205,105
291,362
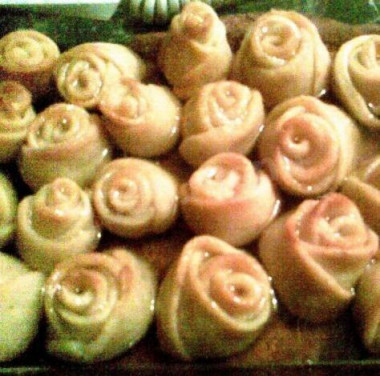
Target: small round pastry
98,305
283,56
213,302
55,223
308,146
8,210
16,114
63,141
82,72
134,197
143,120
195,50
29,57
223,116
356,79
315,255
363,187
21,308
366,308
229,198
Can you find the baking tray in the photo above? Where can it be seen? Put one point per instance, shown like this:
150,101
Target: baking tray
287,346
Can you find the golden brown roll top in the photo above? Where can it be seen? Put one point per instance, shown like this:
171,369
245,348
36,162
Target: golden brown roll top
98,305
229,198
143,120
63,141
356,79
195,50
308,146
224,116
16,114
283,56
55,223
29,57
83,71
213,302
316,255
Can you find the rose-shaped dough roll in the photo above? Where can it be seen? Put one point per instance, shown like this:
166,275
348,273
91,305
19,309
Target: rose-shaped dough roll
229,198
83,71
98,305
55,223
363,187
367,308
221,116
135,197
8,210
143,120
316,254
63,141
356,79
195,50
21,307
213,302
283,56
29,57
16,113
308,146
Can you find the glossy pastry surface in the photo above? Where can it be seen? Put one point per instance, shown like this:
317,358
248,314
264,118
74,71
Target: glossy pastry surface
143,120
213,302
316,255
55,223
196,50
228,197
98,305
283,56
135,197
8,211
224,116
308,146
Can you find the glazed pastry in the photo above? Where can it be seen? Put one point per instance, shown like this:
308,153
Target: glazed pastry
29,57
98,305
316,254
55,223
221,116
229,198
213,302
308,146
8,210
143,120
21,308
195,50
363,187
135,197
16,113
283,56
63,141
356,79
85,70
367,308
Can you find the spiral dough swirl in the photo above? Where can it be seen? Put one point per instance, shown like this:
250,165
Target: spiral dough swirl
221,116
229,198
28,56
213,302
283,56
356,78
85,70
308,146
98,305
316,254
55,223
135,197
64,140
